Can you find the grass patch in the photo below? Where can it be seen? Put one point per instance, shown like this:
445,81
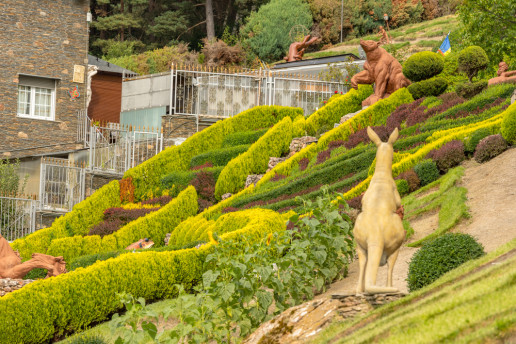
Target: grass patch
472,303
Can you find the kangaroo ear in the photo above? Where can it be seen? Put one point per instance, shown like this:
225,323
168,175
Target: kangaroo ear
373,136
393,137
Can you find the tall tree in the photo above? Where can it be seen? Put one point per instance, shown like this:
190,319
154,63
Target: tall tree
210,22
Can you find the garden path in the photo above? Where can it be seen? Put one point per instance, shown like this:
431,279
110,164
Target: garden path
492,203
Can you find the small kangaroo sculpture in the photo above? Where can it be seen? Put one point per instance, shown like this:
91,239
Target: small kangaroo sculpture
378,229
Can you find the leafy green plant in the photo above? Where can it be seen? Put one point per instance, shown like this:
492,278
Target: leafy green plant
423,65
439,256
88,339
10,181
427,172
470,89
472,142
428,88
472,60
508,128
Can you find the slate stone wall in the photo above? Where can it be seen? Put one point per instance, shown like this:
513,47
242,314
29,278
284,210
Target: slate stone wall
45,38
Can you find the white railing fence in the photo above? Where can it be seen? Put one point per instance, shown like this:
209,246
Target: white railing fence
17,216
62,184
83,127
222,93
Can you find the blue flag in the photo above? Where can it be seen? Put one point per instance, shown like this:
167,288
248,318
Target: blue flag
445,47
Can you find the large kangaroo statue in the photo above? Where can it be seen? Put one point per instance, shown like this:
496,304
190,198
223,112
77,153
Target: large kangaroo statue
378,229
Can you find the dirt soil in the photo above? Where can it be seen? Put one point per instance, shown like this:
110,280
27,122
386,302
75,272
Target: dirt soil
492,203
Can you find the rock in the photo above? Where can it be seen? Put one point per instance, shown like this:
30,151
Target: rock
226,195
299,143
22,135
252,179
167,238
8,285
274,161
300,323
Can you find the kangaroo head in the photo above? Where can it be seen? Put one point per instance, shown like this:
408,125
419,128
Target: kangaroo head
385,151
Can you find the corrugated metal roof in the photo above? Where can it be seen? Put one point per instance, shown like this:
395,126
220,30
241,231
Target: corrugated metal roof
106,66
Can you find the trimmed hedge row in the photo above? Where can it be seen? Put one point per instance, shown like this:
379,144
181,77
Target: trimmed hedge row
375,114
147,175
197,228
273,144
243,138
219,157
184,178
509,124
70,302
337,107
154,226
77,222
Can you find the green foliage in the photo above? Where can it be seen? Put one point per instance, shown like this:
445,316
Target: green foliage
473,140
423,65
219,157
472,60
470,89
490,24
428,88
255,161
267,30
148,175
509,125
10,181
77,222
339,106
427,172
439,256
343,72
88,339
241,281
403,186
243,137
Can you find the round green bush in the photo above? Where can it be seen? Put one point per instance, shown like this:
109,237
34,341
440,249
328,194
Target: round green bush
423,65
470,89
403,187
472,141
490,147
428,88
427,172
509,125
89,339
472,60
439,256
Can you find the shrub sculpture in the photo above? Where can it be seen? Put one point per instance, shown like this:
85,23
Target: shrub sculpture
472,60
439,256
427,172
470,89
490,147
423,65
427,88
509,125
449,155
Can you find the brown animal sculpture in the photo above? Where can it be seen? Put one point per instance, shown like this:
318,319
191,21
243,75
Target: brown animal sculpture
11,265
382,69
297,49
378,229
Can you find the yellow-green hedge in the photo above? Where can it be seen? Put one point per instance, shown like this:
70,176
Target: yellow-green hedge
77,222
70,302
337,107
375,114
509,124
154,225
255,161
197,228
147,176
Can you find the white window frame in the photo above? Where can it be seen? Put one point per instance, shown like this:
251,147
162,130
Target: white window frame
32,99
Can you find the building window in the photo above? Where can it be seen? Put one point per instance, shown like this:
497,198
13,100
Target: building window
36,97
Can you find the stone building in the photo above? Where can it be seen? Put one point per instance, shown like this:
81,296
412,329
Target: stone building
44,58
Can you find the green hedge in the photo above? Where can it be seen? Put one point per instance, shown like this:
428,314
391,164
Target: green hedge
219,157
375,114
154,225
183,178
428,88
147,175
509,125
49,308
77,222
243,137
423,65
339,106
273,144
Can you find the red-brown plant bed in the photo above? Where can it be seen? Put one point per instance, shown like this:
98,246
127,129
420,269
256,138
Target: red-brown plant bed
449,155
362,137
200,167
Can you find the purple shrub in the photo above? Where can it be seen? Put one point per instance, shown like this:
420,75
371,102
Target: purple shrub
115,218
356,202
398,116
449,155
303,164
361,136
323,156
200,167
203,204
278,177
490,147
204,184
336,144
158,201
411,178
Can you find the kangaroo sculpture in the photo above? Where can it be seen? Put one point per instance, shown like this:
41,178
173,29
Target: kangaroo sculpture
378,229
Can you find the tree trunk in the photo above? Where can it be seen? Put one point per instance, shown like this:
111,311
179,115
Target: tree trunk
210,23
121,28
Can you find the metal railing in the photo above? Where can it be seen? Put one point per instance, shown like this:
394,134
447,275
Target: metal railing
223,93
116,149
83,127
62,184
17,216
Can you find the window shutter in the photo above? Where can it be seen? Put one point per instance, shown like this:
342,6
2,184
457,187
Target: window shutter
35,81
